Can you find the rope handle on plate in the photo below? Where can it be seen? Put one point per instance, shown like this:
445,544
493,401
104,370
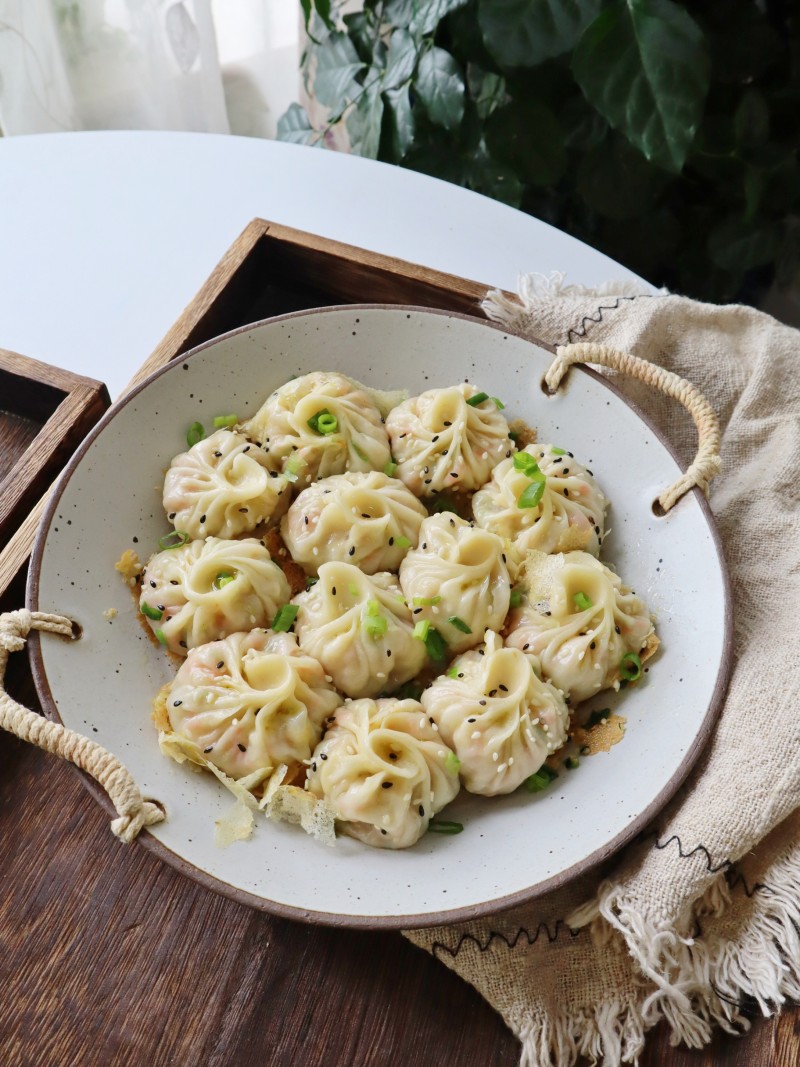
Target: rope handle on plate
706,463
133,810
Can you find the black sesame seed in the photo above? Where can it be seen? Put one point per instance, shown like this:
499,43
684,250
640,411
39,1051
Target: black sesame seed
493,693
565,471
176,703
503,557
445,451
571,455
548,613
323,755
557,459
172,514
508,453
243,509
384,832
424,545
333,590
421,812
589,473
424,470
182,644
416,611
617,629
593,645
525,647
597,530
202,519
482,703
314,766
352,551
208,749
220,665
173,581
448,424
391,542
453,474
566,492
461,675
273,474
218,454
434,439
503,688
473,719
365,516
386,785
247,449
241,747
392,755
428,481
388,653
305,520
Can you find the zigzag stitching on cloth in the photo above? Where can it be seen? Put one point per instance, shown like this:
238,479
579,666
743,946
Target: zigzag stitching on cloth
734,877
580,331
495,935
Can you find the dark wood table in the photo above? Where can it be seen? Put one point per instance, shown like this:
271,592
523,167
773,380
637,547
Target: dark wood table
109,957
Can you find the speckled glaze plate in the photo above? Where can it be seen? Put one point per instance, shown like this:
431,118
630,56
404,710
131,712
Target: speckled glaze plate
512,848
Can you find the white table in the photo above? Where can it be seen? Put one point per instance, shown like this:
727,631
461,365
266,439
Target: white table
104,237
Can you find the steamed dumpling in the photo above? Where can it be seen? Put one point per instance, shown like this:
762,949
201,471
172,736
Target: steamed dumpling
570,514
350,437
360,629
251,702
369,520
204,590
580,621
223,486
498,717
384,770
442,442
457,572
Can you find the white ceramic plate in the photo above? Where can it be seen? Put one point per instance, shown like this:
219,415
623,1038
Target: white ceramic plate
512,848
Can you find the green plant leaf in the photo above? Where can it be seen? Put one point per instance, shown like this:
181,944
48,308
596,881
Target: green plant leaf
294,126
440,87
338,64
401,121
523,33
429,13
526,136
361,31
401,60
399,12
583,128
486,89
738,245
644,65
323,9
751,120
492,178
364,122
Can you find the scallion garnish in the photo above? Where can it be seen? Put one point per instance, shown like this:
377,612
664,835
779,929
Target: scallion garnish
194,434
390,468
598,717
452,763
524,461
459,624
324,423
220,421
425,601
630,667
436,645
541,780
372,608
516,598
444,827
173,540
285,617
572,763
531,496
353,589
409,691
311,582
581,601
293,468
162,637
440,504
513,435
421,629
402,542
223,578
498,403
477,399
452,672
373,621
558,451
150,613
359,452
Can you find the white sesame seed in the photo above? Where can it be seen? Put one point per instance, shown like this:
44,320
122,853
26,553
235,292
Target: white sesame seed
475,735
501,768
328,678
510,760
535,722
380,675
422,722
441,753
495,757
434,727
315,551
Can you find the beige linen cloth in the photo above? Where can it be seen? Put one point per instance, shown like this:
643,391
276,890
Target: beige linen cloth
705,909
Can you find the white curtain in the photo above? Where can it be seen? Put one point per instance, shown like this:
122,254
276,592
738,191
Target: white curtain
209,65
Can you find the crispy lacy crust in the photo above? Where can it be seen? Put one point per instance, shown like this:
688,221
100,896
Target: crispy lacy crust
293,572
526,435
129,566
159,714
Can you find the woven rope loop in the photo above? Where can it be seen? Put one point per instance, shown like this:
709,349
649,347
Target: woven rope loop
706,463
133,811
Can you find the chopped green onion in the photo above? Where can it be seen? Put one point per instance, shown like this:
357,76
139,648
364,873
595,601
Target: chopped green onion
477,399
541,780
372,608
598,717
524,461
531,496
452,672
581,601
293,467
223,578
572,763
353,589
359,452
558,451
390,468
225,420
459,624
166,542
513,435
285,617
324,422
452,763
436,645
402,542
630,667
421,629
425,601
409,691
150,613
162,637
516,598
311,582
444,827
498,403
400,598
374,623
194,434
442,503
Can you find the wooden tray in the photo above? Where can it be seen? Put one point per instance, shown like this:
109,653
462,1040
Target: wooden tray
44,415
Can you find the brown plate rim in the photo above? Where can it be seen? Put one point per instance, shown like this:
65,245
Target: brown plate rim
381,922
